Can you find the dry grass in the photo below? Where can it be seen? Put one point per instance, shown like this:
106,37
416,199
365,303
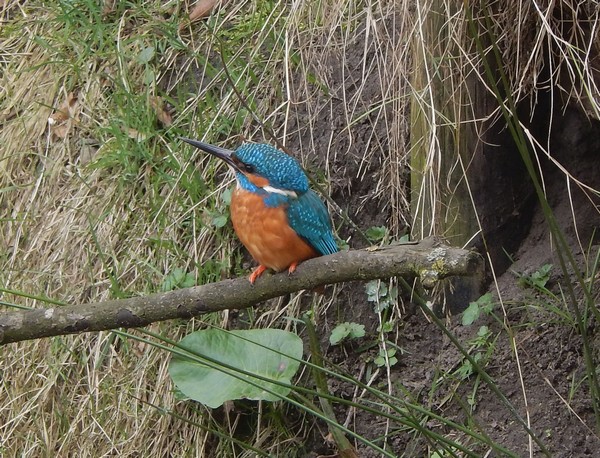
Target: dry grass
105,207
543,47
109,204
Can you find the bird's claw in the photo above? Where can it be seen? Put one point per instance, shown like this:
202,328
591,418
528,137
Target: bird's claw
257,273
292,268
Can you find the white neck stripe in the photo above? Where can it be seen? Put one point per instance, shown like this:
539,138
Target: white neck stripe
283,192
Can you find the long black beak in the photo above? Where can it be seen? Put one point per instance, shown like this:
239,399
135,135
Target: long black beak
222,153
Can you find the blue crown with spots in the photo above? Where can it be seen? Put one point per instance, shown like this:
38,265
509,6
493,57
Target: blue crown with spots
282,170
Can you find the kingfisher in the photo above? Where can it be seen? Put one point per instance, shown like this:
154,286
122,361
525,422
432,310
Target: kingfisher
275,214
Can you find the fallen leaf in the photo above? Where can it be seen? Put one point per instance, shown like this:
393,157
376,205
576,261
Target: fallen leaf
61,131
139,349
87,151
61,120
65,111
135,134
201,9
162,111
329,439
58,117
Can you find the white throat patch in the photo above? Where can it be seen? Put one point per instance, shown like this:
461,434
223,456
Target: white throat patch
283,192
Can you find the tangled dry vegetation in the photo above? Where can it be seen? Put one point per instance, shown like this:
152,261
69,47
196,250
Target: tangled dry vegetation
103,202
99,200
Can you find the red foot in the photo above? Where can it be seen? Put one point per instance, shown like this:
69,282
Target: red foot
292,268
257,273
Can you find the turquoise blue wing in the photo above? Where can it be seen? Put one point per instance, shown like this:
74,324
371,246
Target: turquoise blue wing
308,216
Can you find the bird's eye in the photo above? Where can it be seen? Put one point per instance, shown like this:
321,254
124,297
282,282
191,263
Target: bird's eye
249,168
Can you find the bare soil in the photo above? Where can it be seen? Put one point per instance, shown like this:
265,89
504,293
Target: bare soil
544,378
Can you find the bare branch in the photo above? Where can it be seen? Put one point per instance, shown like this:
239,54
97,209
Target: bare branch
429,260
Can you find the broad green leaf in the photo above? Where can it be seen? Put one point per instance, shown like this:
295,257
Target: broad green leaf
212,387
376,233
381,305
470,314
178,278
388,326
146,55
219,221
226,196
541,276
346,331
380,360
483,331
482,305
372,290
375,289
149,76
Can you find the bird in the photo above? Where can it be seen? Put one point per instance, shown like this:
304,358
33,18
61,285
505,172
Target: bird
275,214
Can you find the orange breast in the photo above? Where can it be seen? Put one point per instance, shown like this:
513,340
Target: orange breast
266,233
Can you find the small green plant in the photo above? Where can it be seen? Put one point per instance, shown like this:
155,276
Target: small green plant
381,361
387,326
537,279
376,233
483,305
478,343
218,219
342,244
481,348
176,279
382,296
346,331
542,299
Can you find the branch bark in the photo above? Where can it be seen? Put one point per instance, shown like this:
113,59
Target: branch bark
428,260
